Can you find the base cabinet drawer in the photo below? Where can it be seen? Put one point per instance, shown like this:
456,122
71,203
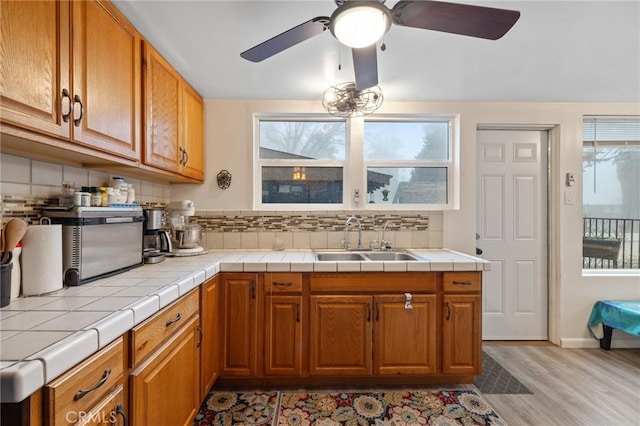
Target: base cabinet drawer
109,411
148,336
80,390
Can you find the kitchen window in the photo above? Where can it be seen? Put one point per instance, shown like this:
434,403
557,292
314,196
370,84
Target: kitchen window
611,200
315,163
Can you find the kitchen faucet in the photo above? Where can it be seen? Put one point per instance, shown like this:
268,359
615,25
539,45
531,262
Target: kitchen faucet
385,244
345,240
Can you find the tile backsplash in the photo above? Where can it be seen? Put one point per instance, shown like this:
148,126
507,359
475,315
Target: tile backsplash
318,230
27,185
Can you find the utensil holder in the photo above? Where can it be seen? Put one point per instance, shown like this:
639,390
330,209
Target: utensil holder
5,284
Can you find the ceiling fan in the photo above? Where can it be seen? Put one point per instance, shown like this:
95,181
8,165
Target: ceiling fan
359,24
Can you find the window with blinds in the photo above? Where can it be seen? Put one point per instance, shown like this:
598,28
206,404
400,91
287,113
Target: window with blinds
611,192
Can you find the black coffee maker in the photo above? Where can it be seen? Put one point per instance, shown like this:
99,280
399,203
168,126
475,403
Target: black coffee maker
157,241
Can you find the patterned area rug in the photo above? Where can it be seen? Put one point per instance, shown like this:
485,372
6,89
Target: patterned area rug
397,408
496,380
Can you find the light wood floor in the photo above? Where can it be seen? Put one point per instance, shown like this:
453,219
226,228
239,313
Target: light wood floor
570,386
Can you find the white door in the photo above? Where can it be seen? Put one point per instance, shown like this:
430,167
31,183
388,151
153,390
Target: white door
512,232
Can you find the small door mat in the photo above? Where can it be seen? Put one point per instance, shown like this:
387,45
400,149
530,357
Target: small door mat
496,380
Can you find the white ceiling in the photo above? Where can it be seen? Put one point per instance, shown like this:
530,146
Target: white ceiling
565,51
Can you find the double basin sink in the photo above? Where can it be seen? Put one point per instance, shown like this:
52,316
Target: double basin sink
364,256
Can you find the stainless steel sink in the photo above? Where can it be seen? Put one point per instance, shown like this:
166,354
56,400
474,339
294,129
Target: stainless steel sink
390,255
364,256
340,257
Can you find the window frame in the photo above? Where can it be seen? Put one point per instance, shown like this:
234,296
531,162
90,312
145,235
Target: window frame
590,141
354,166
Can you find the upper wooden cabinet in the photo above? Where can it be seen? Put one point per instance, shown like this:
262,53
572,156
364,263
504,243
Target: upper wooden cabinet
193,134
72,70
174,136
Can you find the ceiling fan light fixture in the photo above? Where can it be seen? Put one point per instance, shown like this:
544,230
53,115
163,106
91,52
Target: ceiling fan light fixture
360,23
344,100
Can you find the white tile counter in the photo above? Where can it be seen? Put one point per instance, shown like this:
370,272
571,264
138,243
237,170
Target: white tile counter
42,337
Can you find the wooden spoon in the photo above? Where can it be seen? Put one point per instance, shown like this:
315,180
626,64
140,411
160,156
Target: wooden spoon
13,232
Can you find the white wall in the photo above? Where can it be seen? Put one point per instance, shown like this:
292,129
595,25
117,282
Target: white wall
229,142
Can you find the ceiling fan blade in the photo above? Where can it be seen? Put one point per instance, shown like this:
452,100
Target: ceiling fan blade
469,20
286,39
365,65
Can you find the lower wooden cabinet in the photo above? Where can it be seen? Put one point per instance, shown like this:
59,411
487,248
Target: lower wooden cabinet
283,335
379,334
165,389
239,322
209,308
462,334
340,335
405,334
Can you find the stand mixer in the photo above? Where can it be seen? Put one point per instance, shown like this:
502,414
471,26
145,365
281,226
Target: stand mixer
185,236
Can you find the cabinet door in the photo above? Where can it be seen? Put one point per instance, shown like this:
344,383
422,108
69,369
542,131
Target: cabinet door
405,337
192,144
282,335
239,351
165,389
461,334
340,335
209,346
108,412
162,116
106,79
34,65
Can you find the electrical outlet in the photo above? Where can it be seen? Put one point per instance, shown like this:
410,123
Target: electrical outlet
356,195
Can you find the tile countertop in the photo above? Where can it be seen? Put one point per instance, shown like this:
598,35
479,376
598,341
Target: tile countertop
42,337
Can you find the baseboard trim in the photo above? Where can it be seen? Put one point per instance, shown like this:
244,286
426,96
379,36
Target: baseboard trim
593,343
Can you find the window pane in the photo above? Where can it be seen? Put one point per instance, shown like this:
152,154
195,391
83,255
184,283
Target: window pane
407,185
406,140
320,140
611,199
302,185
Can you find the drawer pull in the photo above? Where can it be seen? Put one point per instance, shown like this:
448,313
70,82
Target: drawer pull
368,312
377,311
463,283
174,320
82,392
120,410
282,284
448,311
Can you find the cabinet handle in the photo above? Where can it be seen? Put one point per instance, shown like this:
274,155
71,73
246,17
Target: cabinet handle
297,312
186,157
181,156
282,284
82,392
377,311
200,339
77,121
174,320
368,312
463,283
120,410
65,94
253,289
448,311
